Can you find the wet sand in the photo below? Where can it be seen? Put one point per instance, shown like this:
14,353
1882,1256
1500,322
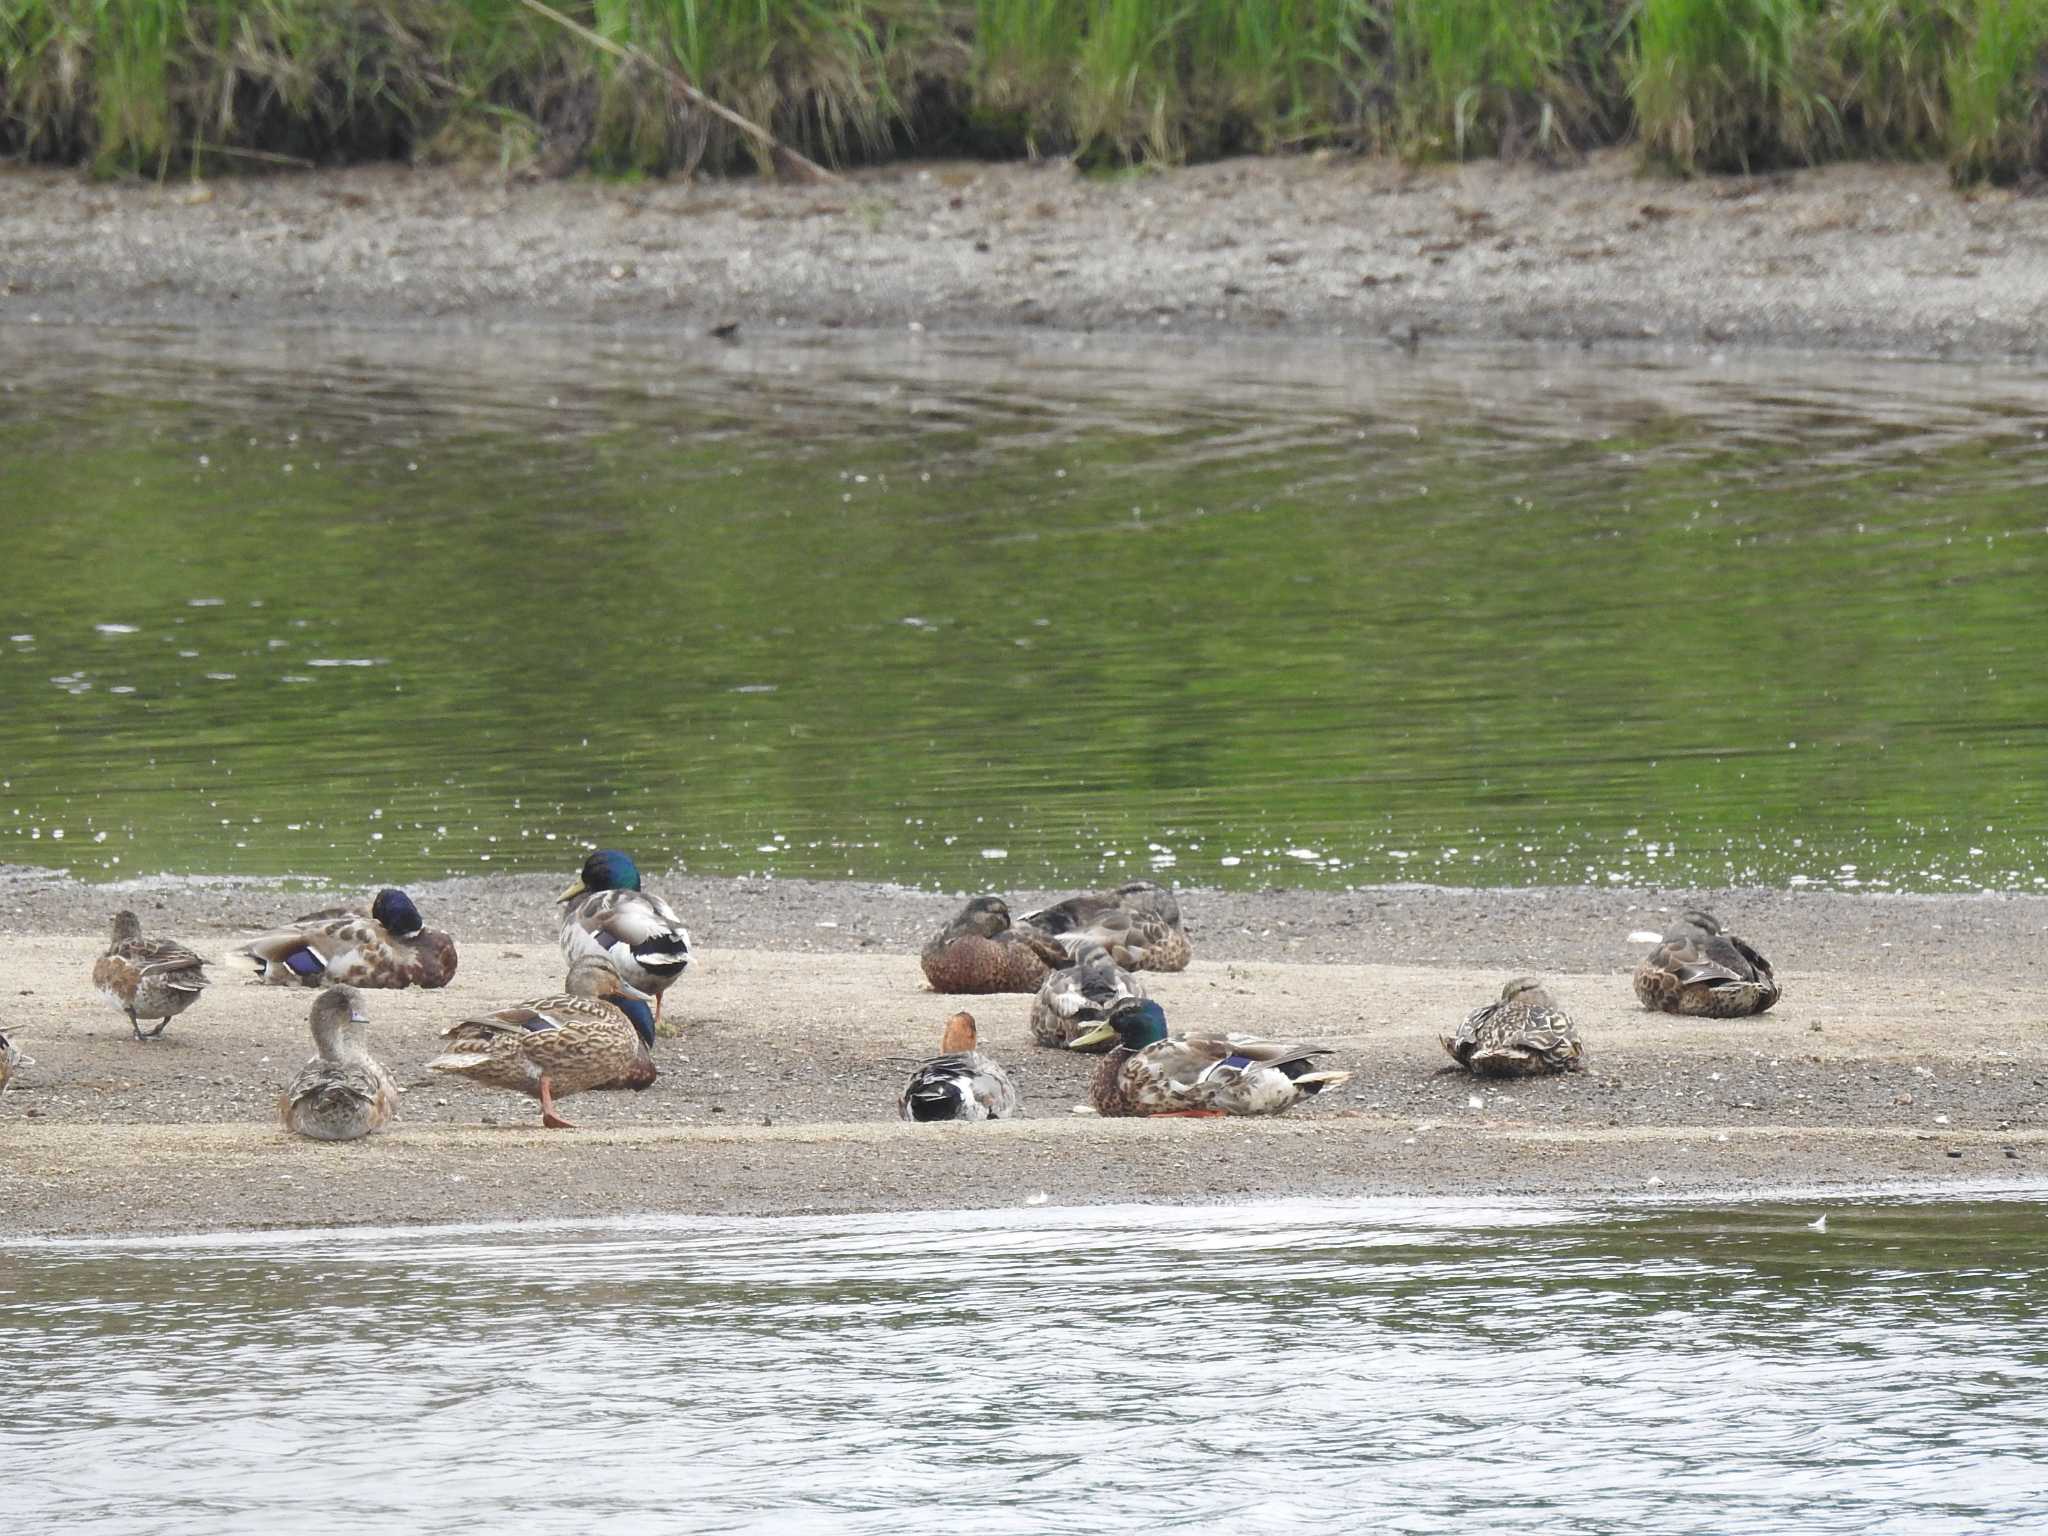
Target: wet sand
1907,1049
1867,258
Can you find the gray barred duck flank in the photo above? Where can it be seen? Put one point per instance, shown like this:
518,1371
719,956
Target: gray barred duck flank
597,1032
1700,968
1525,1034
11,1061
339,946
961,1084
983,950
1148,1074
1138,923
148,978
1080,995
607,916
342,1094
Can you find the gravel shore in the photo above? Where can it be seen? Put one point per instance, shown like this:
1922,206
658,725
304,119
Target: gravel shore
1871,258
1905,1050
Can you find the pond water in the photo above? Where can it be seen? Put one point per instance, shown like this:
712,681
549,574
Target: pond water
1003,615
1366,1365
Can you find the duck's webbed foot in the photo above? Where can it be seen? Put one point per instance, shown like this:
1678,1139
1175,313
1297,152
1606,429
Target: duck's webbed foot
548,1117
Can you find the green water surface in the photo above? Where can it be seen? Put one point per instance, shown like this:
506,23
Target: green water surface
985,615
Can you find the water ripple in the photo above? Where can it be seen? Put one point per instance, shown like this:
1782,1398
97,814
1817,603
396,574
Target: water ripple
1391,1366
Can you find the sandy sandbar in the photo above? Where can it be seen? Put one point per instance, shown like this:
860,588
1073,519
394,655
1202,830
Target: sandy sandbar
1908,1048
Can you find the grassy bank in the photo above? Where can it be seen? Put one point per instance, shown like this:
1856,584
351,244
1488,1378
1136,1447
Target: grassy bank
157,85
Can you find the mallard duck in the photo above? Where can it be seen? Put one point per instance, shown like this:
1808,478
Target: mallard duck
1523,1035
1138,923
617,921
598,1032
147,978
341,1094
1080,994
983,950
339,946
1149,1074
1702,969
962,1084
12,1060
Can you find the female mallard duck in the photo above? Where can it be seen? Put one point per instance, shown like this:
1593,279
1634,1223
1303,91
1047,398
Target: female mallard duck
598,1032
342,1093
962,1084
1138,923
982,950
339,946
1702,969
1522,1035
1080,994
617,921
12,1060
1148,1074
147,978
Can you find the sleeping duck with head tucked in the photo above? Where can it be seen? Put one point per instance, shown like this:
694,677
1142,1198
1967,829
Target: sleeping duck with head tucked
983,950
1146,1073
1702,969
607,916
1138,923
598,1032
339,946
1080,995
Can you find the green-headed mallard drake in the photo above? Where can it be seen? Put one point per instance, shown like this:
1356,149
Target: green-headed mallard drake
982,950
598,1032
1702,969
339,946
609,916
147,978
1149,1074
1523,1035
1138,923
1080,995
962,1084
12,1060
342,1093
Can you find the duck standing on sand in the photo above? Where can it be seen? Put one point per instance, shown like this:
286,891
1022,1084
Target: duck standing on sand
1138,923
598,1032
339,946
342,1094
1525,1034
609,917
982,950
1149,1074
1702,969
11,1061
962,1084
1080,995
148,978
